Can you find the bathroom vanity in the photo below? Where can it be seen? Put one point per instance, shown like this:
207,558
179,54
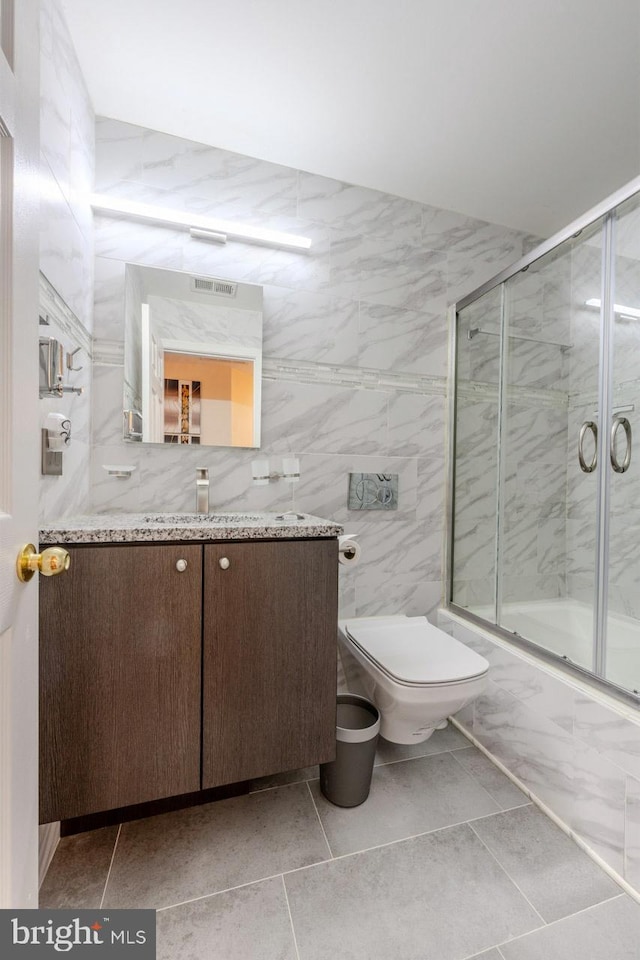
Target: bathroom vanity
181,653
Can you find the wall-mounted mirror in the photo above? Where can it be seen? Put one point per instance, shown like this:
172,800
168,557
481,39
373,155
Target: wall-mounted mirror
192,359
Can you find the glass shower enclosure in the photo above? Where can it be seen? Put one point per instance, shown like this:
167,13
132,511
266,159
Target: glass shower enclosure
544,519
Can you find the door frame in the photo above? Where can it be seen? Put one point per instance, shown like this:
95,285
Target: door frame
19,203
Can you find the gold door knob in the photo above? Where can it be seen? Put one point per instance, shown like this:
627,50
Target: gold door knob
50,562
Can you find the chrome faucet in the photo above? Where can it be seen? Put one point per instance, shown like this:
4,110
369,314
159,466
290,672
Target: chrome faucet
202,490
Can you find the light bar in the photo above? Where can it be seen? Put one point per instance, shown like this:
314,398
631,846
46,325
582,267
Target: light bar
164,216
210,235
631,312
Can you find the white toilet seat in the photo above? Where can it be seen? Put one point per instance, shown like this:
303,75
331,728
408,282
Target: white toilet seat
414,653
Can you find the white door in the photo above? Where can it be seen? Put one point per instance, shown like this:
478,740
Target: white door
19,467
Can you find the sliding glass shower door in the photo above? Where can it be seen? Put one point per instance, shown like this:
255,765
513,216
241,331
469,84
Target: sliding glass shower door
545,538
622,643
548,515
476,459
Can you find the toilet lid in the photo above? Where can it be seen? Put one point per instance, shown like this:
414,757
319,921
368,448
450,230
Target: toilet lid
412,650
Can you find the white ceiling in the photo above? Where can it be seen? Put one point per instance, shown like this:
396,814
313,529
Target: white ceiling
522,112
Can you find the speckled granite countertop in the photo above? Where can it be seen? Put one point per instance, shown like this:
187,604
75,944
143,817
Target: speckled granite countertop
137,527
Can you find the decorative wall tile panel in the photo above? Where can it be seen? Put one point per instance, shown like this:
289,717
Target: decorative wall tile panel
314,418
108,304
378,270
416,426
396,595
632,833
359,210
431,489
576,753
535,750
107,398
613,735
303,325
598,804
393,338
475,492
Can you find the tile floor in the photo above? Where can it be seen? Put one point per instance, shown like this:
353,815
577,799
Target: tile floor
446,860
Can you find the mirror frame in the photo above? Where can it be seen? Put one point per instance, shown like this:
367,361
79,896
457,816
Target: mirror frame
136,420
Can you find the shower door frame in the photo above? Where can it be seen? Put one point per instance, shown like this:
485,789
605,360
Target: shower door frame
604,211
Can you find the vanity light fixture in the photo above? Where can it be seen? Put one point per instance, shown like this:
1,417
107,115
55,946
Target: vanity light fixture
201,228
211,235
628,313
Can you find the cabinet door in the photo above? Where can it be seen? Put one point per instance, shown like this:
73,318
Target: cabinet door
120,655
269,684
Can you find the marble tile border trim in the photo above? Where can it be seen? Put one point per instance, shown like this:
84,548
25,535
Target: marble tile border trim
475,390
303,371
108,353
52,304
633,893
111,353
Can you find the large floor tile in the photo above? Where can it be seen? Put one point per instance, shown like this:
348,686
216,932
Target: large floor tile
289,776
442,740
406,798
551,870
495,782
610,931
487,955
78,871
250,923
164,860
437,896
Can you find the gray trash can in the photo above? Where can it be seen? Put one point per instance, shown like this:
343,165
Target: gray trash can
346,780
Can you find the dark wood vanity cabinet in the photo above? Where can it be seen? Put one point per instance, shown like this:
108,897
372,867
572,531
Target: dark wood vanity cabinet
269,657
156,682
120,665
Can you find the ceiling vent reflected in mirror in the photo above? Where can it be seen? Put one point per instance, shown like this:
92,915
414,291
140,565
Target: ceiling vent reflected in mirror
223,288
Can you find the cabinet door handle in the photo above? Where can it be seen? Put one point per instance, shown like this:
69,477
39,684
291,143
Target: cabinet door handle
224,563
181,565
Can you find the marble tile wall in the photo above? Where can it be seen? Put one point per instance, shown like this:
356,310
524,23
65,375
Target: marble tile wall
202,324
577,751
66,245
533,441
68,494
355,346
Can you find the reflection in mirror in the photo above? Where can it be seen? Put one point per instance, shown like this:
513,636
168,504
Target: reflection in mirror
193,359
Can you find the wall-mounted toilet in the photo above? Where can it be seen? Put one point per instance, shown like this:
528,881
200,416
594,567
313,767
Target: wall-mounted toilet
414,673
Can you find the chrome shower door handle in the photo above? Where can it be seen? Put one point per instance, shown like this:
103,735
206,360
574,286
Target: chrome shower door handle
584,466
615,463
